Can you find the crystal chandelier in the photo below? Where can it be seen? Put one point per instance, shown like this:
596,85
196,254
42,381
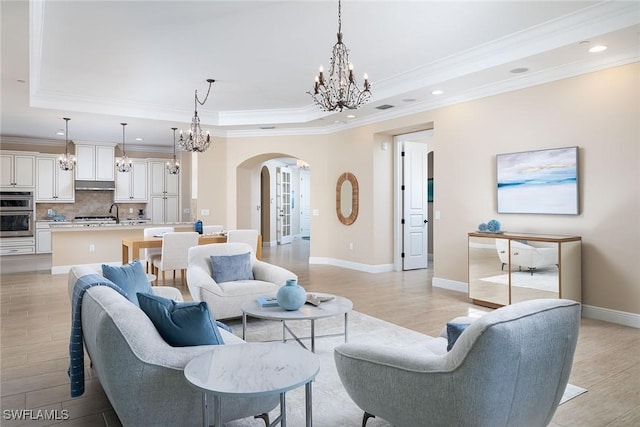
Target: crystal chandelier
339,89
123,164
66,161
197,141
173,166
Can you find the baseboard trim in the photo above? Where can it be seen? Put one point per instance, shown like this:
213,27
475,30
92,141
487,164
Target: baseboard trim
613,316
588,311
368,268
452,285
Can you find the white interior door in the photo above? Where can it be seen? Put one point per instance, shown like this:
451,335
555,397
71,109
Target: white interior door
284,206
305,203
415,215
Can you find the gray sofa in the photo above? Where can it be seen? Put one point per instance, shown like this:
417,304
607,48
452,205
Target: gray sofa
510,367
140,373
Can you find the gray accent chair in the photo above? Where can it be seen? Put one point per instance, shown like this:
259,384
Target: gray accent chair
510,367
140,373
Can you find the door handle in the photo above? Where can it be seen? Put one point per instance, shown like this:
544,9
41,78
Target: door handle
426,221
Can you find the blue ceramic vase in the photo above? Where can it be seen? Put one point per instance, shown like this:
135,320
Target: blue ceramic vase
291,296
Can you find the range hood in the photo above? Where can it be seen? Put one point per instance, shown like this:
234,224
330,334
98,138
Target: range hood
95,185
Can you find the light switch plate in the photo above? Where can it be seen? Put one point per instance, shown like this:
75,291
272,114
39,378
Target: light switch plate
204,212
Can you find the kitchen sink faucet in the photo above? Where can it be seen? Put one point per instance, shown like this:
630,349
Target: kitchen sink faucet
117,212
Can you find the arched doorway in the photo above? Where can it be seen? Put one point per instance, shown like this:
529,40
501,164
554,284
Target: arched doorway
262,197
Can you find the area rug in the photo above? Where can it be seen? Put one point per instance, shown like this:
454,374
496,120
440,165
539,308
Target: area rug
570,392
544,280
332,406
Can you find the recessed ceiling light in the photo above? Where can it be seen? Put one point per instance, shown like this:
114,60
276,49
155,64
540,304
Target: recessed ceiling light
60,132
598,48
437,92
519,70
267,127
138,139
384,107
351,116
20,81
409,100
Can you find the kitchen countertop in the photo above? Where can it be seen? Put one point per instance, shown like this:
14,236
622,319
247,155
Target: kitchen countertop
61,226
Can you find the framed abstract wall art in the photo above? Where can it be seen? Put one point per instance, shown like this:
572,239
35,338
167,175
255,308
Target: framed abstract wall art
538,182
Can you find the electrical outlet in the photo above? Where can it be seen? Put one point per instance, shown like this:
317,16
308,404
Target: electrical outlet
351,246
204,212
130,210
92,248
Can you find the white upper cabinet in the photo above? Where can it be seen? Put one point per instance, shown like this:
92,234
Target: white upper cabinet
52,183
17,170
95,162
132,186
164,193
163,183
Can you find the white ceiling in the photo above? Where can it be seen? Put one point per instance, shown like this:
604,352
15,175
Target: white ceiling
104,62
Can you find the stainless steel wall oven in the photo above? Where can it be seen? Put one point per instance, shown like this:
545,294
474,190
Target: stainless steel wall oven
16,214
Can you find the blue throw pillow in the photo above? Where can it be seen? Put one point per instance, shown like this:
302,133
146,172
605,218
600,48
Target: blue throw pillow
131,278
229,268
181,324
453,332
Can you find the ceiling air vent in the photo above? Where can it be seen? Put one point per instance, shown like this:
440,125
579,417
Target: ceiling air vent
384,107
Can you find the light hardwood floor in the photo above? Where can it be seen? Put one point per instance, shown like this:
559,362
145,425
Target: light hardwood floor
35,317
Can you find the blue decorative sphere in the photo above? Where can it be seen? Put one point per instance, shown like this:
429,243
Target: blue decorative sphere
493,226
291,296
482,227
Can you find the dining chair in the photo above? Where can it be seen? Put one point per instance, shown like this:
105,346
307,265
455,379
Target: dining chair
245,236
211,229
151,254
174,256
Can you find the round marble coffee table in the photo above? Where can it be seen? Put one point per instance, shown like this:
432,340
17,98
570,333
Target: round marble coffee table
336,306
253,369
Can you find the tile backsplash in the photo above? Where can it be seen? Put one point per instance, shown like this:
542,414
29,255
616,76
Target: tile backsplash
90,203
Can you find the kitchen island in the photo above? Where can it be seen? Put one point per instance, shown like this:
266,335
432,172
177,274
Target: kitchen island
74,244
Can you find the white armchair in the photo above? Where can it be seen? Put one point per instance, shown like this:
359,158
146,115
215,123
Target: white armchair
225,299
527,256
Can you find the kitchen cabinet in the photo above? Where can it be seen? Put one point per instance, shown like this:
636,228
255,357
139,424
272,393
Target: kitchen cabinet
163,183
95,162
17,170
132,186
164,190
165,209
507,268
43,238
17,246
53,184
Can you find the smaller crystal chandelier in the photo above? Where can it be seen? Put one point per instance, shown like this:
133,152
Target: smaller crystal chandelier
173,166
123,164
66,161
197,141
339,90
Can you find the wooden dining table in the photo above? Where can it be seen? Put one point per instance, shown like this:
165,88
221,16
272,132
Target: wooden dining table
132,245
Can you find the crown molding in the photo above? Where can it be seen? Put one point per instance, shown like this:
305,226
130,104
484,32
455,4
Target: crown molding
8,139
598,19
